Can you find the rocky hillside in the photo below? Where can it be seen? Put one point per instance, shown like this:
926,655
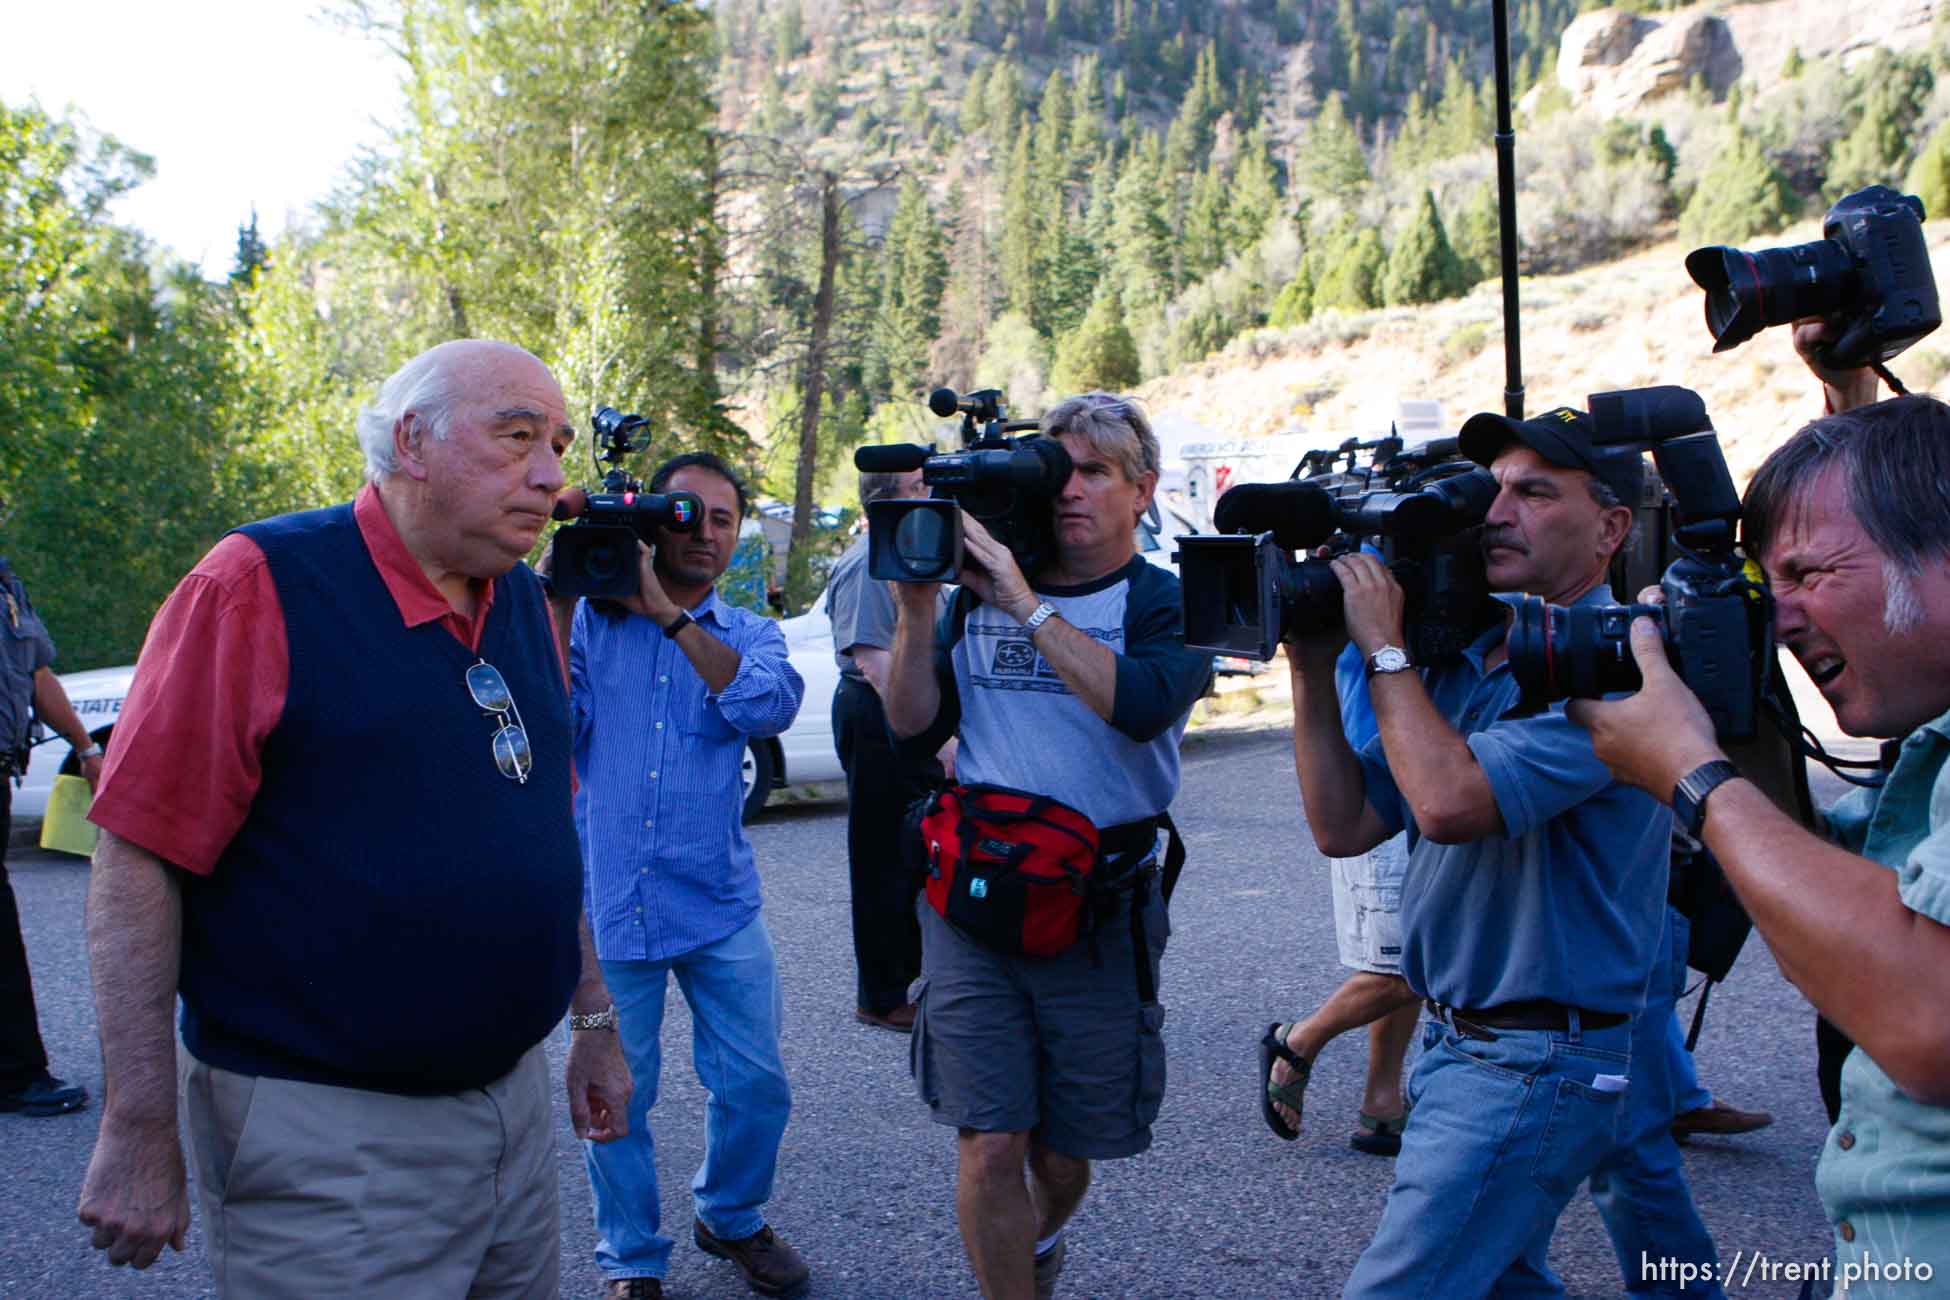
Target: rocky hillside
1626,324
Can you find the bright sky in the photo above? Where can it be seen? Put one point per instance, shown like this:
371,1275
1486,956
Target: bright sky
239,102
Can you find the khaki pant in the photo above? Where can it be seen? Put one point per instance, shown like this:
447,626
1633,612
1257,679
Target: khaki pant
313,1191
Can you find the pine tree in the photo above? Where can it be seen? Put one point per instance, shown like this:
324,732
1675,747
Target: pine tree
1255,194
914,273
252,255
1331,161
1022,224
1743,194
1099,354
1204,241
1003,109
1295,305
1422,267
1478,238
1349,273
974,113
1929,175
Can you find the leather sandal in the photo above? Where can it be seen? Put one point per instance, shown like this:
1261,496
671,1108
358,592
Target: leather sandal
1379,1137
1272,1046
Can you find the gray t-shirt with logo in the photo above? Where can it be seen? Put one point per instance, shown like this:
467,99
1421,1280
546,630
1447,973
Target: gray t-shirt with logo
1021,726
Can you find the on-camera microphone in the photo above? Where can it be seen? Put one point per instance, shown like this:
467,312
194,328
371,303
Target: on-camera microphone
571,502
1299,514
893,457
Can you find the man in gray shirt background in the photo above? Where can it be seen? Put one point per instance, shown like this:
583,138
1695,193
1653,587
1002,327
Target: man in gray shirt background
879,785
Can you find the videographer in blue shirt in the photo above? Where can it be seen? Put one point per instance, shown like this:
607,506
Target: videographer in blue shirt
668,686
1536,884
1850,520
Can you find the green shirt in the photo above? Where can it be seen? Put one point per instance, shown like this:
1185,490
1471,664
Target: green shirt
1884,1176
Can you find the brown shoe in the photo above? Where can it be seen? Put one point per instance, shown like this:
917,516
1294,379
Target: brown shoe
1719,1119
900,1019
633,1288
770,1265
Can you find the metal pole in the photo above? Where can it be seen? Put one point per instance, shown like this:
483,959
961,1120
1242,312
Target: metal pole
1506,213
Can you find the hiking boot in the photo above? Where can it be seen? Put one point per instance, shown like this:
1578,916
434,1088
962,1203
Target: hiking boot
1718,1119
1048,1265
633,1288
45,1096
770,1265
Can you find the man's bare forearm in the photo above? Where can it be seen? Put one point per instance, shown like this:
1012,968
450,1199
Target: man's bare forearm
592,993
1086,665
1333,791
1842,935
51,702
1444,786
716,662
913,697
135,944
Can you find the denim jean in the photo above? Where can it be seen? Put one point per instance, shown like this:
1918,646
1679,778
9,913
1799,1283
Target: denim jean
1500,1136
1641,1189
1685,1079
736,1009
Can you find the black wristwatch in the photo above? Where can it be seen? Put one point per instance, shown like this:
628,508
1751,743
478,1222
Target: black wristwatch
678,624
1689,796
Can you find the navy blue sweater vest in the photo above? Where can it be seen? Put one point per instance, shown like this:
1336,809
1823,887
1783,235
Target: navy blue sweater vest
394,914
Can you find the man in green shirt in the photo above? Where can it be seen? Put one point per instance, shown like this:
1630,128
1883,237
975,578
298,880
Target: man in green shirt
1850,518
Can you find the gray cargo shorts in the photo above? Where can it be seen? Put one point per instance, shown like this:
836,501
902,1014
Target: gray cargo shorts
1058,1045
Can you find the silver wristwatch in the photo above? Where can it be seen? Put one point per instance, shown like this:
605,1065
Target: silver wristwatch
1389,659
604,1019
1044,612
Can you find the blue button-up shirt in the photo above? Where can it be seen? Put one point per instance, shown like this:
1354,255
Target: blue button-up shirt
666,865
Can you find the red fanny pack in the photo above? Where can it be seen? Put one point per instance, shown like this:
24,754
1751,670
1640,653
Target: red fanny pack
1016,871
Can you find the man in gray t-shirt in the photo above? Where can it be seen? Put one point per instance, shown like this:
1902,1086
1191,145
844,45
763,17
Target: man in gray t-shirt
1071,682
1535,888
879,783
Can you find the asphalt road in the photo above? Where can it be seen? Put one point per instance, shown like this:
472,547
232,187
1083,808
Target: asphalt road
1219,1207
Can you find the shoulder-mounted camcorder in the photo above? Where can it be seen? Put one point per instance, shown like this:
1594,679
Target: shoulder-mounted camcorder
597,556
1008,483
1244,590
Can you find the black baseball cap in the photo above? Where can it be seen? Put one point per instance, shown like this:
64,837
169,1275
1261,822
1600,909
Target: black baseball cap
1563,437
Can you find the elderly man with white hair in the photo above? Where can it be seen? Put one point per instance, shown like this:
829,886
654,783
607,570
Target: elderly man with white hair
337,824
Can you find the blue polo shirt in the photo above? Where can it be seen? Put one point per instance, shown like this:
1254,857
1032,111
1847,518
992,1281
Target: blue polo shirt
1566,904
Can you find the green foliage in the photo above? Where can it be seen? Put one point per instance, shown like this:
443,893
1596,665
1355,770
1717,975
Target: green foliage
1743,194
914,273
1331,160
1893,90
1015,360
1422,267
1099,354
1929,175
1349,272
1792,66
1296,301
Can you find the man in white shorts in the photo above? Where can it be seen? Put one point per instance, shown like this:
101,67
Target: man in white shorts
1367,923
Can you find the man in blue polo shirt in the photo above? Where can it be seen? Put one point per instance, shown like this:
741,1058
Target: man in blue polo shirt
668,686
1533,898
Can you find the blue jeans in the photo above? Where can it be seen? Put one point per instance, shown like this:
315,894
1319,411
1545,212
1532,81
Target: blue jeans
1500,1136
1685,1079
736,1009
1641,1187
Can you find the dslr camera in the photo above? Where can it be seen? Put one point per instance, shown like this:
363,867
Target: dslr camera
1244,591
1870,269
1716,621
596,556
1009,483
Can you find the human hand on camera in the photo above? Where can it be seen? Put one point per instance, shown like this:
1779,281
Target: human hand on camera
992,572
649,600
1844,390
1371,601
1655,737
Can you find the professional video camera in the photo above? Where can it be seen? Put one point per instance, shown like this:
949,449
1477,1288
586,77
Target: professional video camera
1010,484
1244,592
1871,269
597,556
1717,622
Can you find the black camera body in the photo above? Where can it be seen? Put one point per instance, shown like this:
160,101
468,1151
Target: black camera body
1871,268
1244,591
1716,622
597,555
1008,483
